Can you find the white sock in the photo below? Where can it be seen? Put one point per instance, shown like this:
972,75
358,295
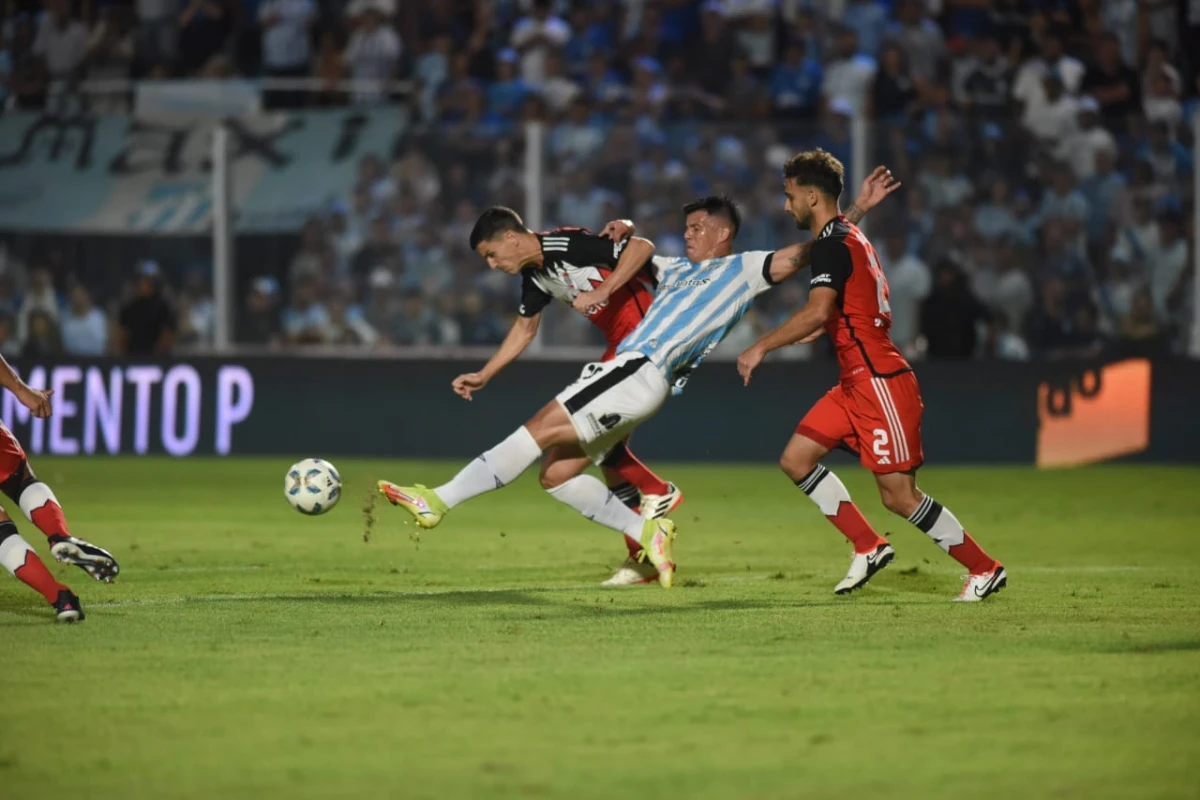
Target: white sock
938,524
34,497
592,498
494,469
12,552
826,490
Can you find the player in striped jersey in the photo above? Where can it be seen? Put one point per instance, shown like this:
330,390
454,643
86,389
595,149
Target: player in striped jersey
699,299
876,409
559,265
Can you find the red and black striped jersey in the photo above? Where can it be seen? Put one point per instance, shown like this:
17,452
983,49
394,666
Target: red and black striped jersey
843,260
575,260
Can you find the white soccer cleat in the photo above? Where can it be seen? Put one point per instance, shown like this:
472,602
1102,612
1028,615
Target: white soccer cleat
979,587
863,566
657,506
632,573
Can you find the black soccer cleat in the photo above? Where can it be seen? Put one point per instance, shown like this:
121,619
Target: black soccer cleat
95,561
67,607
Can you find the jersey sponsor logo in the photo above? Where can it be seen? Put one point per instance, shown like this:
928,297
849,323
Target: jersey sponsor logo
687,283
821,279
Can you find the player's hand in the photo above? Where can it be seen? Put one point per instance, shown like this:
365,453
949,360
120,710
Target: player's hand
468,383
749,361
878,185
36,400
619,230
589,303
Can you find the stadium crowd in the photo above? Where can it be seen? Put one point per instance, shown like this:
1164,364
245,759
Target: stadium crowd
1045,146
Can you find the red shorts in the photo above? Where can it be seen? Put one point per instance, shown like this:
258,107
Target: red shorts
11,452
609,353
878,419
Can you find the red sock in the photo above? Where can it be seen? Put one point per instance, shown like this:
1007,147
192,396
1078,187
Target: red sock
972,556
625,464
41,506
830,495
944,528
854,526
49,520
34,574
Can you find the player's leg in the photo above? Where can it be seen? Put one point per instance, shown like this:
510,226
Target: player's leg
19,558
493,469
636,484
894,456
823,428
562,478
41,507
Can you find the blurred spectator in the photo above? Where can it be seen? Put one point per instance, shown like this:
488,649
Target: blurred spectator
84,327
535,35
795,84
10,346
1081,146
988,82
1141,333
850,73
951,315
27,78
415,324
305,321
476,324
909,284
259,320
330,69
157,31
1115,85
204,25
41,297
1167,262
347,325
195,312
894,94
921,39
1053,61
62,44
374,51
286,48
43,340
147,323
110,54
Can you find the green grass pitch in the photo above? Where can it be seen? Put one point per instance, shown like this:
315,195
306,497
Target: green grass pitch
248,651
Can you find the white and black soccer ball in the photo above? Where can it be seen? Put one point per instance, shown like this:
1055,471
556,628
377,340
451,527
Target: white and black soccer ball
312,486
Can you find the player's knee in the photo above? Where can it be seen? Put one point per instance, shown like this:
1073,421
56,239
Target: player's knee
549,481
902,501
795,465
18,480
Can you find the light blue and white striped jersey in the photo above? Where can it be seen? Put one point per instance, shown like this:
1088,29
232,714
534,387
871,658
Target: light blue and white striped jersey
695,306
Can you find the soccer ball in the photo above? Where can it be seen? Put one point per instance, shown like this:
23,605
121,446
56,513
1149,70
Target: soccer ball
312,486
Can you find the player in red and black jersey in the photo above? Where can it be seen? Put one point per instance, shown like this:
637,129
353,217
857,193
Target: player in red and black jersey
562,264
875,410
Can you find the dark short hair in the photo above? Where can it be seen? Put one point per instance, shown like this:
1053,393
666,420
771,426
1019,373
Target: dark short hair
817,168
716,205
493,222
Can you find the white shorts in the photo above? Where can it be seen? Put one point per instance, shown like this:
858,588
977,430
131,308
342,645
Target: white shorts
612,398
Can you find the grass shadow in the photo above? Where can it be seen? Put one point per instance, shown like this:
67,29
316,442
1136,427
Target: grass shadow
1150,648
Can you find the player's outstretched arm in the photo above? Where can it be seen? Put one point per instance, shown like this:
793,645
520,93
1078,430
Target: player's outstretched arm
793,258
820,308
519,337
635,255
36,400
